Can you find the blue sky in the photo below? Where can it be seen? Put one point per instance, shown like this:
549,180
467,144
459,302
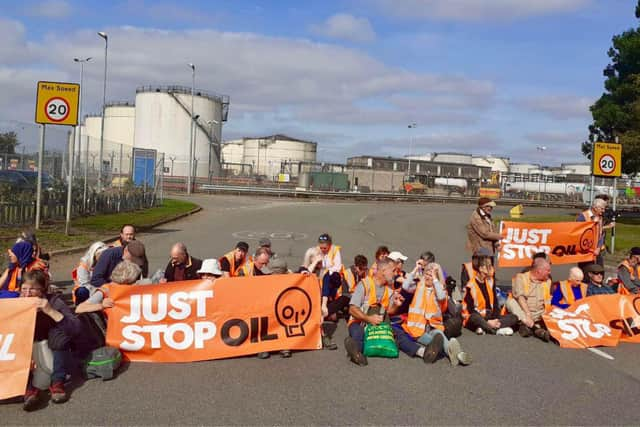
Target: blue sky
483,76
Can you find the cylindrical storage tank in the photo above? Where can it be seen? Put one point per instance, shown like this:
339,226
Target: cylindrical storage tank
268,154
163,122
119,124
522,168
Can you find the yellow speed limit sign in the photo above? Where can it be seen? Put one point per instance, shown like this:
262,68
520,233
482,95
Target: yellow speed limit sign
607,159
57,103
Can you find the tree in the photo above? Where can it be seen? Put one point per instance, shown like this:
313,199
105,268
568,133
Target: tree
8,142
617,112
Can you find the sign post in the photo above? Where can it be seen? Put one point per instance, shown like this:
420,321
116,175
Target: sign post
607,162
56,104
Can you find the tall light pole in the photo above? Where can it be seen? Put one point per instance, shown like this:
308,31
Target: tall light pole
103,35
193,88
411,126
541,149
86,148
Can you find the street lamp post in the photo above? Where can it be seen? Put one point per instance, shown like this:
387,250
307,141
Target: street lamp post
84,192
103,35
193,88
194,175
540,148
411,126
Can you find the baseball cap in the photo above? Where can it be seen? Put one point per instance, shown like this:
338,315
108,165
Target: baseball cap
210,266
244,246
397,256
264,242
594,268
137,252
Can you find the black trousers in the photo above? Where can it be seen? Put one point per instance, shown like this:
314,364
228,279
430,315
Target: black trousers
337,305
477,321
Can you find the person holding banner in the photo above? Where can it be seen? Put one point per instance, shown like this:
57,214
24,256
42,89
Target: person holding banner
629,271
232,261
480,307
594,214
569,291
56,326
372,299
532,292
481,230
595,272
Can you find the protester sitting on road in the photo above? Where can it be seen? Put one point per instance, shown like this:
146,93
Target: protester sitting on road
258,266
400,274
331,258
127,234
339,301
480,308
20,261
569,291
597,286
381,252
82,273
233,261
629,271
422,334
312,262
372,299
134,251
56,327
537,255
532,292
210,270
481,232
125,273
467,273
30,237
182,266
356,272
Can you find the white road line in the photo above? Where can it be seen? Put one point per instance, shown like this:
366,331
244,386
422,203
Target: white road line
363,219
601,353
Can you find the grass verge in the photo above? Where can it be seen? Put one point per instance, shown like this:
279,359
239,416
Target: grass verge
89,229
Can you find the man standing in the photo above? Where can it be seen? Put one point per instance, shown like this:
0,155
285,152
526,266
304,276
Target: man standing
629,271
182,266
532,292
481,231
232,261
598,206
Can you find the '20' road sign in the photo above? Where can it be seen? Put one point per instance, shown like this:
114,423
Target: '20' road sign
607,158
57,103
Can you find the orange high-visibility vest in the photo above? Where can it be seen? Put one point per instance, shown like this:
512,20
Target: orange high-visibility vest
546,288
629,268
74,276
350,280
233,268
371,297
480,304
468,266
567,292
425,310
246,270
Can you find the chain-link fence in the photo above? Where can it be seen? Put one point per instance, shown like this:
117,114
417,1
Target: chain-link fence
130,179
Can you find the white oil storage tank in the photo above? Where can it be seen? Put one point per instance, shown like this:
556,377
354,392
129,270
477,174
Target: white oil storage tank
271,155
119,123
163,122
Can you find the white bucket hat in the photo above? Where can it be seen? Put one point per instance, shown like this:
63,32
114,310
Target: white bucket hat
397,256
210,266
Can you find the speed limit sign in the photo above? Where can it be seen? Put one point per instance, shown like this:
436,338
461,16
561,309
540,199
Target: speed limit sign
57,103
606,159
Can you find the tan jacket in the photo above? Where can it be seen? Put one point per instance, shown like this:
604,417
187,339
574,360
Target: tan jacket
481,233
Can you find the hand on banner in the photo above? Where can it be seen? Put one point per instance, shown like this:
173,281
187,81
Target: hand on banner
107,303
375,320
43,305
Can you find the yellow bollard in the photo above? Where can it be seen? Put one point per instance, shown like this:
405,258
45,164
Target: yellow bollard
517,211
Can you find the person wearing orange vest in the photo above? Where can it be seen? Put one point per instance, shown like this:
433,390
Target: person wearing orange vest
629,271
372,299
381,252
337,302
332,270
232,261
595,215
21,260
480,307
532,292
127,234
421,334
256,266
569,291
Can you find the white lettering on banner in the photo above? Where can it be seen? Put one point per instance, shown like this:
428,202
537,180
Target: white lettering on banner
165,335
6,341
573,327
142,306
521,243
178,306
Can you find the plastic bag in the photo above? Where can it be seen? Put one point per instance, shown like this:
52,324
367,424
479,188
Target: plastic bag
379,341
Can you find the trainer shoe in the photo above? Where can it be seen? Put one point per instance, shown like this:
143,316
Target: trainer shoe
507,332
328,344
33,399
453,350
433,350
58,393
543,334
354,353
464,358
480,331
524,331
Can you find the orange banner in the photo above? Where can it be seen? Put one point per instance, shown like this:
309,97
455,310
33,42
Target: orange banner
17,324
565,242
200,320
602,320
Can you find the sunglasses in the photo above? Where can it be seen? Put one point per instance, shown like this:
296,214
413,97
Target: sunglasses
323,238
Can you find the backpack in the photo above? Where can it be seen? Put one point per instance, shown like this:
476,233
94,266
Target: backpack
103,363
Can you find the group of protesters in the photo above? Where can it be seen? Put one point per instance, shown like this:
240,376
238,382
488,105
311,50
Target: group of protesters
425,307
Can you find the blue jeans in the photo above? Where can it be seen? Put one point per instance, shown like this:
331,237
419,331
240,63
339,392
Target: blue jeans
331,282
406,343
356,331
61,362
427,337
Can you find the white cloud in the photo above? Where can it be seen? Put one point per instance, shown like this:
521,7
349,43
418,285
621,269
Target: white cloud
346,27
477,10
561,107
52,9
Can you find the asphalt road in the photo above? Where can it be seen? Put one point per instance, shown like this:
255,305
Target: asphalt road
512,381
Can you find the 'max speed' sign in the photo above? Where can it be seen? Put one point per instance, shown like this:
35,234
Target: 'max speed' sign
57,103
607,159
